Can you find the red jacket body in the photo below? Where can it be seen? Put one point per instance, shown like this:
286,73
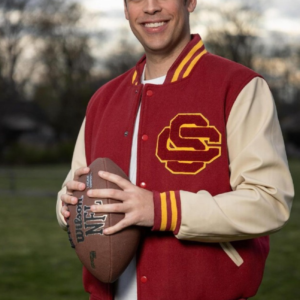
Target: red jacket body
200,88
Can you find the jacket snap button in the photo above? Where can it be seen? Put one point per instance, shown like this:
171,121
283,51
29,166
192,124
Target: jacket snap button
149,93
145,137
143,185
144,279
126,133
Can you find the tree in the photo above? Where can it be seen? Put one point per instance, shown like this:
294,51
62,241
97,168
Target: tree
45,57
231,30
66,82
14,38
125,58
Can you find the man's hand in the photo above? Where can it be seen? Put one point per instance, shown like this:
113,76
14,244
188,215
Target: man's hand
137,203
73,185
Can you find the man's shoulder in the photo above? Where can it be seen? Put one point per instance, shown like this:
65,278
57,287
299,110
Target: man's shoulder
218,64
216,70
112,87
122,80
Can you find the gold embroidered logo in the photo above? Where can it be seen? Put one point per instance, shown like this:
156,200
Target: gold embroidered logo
188,144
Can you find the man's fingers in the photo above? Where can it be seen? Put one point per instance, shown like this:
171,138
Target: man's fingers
81,171
108,193
109,208
113,208
65,212
118,180
118,227
74,186
68,199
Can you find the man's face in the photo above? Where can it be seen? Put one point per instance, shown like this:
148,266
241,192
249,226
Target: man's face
161,26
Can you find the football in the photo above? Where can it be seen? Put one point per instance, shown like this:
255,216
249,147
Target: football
105,256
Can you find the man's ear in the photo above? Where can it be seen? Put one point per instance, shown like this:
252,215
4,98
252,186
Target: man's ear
191,5
125,10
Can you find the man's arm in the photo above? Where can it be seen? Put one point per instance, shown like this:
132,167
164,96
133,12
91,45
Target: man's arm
78,161
138,212
260,179
262,188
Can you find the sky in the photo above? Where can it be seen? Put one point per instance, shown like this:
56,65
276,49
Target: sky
284,16
279,16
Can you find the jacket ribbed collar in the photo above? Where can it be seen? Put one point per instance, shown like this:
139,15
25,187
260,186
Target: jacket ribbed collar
183,65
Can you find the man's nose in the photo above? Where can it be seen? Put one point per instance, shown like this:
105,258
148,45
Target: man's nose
152,6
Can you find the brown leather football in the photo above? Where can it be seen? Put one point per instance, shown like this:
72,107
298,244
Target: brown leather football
106,257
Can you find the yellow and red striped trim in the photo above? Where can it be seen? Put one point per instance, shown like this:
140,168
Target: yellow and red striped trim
167,211
134,78
193,63
190,60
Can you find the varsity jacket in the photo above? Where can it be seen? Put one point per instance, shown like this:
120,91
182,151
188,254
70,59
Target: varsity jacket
183,158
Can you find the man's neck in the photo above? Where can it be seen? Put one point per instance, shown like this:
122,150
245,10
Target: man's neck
159,64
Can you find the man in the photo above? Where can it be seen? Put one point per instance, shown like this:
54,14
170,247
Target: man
199,137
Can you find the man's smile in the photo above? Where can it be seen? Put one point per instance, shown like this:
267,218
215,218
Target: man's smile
154,25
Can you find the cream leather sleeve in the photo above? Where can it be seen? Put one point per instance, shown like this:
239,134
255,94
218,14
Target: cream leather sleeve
78,160
262,188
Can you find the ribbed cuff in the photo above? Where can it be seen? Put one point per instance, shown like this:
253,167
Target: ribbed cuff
167,211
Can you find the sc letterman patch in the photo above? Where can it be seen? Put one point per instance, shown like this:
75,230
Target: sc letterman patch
188,144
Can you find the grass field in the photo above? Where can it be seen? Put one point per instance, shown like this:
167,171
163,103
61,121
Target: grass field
38,263
36,259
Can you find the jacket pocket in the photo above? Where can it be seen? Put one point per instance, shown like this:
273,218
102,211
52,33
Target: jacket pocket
232,253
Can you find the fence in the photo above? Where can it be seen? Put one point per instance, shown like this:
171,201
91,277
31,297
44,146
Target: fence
32,181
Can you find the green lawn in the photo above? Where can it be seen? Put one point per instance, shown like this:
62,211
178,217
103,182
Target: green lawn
36,259
282,275
38,263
